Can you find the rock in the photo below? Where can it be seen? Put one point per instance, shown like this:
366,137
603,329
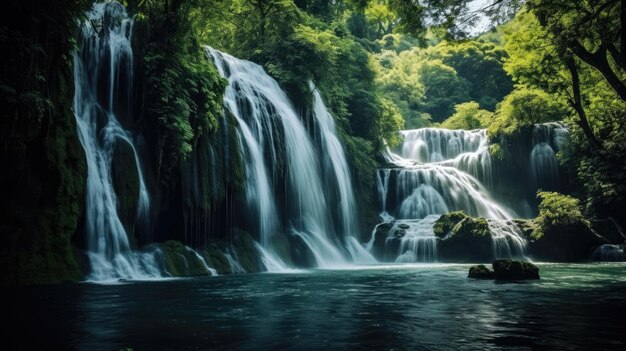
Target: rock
179,260
380,237
403,226
247,253
515,270
610,253
526,226
299,252
566,243
216,259
481,272
468,241
446,223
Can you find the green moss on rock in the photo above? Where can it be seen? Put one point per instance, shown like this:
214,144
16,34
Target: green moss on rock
468,241
515,270
446,223
481,272
179,260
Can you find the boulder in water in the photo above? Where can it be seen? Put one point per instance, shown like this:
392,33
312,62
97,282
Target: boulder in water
445,223
481,272
610,253
515,270
468,241
380,237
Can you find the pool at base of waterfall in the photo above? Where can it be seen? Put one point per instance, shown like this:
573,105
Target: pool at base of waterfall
426,306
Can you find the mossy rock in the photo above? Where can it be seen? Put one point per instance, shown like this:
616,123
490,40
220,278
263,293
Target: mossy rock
565,243
447,222
301,255
248,255
468,241
515,270
216,259
179,260
481,272
526,226
380,240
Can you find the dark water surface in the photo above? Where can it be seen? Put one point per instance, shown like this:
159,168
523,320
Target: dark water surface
403,307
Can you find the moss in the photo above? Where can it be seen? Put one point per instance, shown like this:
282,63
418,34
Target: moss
447,222
468,241
179,260
216,259
45,197
526,226
515,270
471,228
247,253
480,272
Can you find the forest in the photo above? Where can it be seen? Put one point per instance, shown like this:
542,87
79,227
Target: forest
313,145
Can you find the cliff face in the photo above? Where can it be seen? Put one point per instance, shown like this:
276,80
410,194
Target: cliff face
43,165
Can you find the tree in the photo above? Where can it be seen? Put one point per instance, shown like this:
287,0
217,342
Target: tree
526,107
468,116
593,31
443,88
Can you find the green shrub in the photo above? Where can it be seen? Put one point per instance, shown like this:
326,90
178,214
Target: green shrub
556,210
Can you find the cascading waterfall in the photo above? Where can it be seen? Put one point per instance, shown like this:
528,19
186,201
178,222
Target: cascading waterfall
548,139
105,58
274,140
439,171
418,243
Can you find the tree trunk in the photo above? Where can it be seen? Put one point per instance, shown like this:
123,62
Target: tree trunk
599,61
622,33
577,104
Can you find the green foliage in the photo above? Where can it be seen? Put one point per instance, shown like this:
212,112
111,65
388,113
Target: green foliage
428,83
390,122
44,170
447,222
468,116
526,107
543,43
556,210
183,93
481,65
443,88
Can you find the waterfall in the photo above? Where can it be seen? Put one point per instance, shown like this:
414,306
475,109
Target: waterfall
438,171
281,161
548,139
418,243
104,58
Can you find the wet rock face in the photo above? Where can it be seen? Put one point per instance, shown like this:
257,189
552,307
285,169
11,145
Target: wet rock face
468,241
380,239
566,243
515,270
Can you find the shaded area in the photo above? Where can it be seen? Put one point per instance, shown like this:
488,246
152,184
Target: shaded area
401,307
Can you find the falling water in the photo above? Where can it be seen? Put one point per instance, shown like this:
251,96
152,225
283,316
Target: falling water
105,58
439,171
274,140
418,243
548,138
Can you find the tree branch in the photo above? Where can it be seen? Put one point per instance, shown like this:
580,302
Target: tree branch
599,61
577,104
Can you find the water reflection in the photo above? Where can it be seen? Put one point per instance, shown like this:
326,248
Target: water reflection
419,307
